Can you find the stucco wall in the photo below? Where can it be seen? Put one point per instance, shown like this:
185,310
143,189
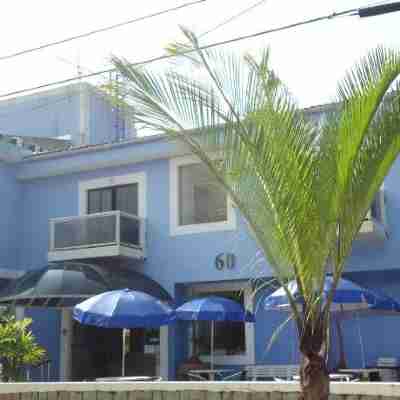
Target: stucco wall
174,260
10,222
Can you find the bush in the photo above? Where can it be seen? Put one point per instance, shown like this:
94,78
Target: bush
18,348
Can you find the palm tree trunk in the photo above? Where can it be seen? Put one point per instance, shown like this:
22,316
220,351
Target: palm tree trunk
314,375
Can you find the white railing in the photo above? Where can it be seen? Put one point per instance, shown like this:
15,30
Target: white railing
97,230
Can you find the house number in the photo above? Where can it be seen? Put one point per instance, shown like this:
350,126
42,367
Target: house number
224,260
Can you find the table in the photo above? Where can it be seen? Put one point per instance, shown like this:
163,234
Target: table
129,379
212,373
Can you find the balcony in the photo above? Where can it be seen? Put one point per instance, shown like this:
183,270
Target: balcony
97,236
374,227
372,230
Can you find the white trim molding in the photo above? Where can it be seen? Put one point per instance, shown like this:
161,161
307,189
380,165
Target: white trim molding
248,357
175,228
139,178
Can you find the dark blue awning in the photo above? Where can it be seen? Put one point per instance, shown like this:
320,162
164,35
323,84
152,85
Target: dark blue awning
68,283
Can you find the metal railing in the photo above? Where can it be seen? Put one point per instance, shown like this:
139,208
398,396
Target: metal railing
97,230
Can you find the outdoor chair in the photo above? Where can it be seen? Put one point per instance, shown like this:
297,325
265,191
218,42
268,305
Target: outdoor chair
271,372
195,377
237,376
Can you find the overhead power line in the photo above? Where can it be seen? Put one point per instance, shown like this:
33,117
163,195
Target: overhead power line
104,29
361,12
232,18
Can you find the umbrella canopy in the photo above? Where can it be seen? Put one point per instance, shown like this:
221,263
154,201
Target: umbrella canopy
69,283
348,297
124,309
213,308
349,300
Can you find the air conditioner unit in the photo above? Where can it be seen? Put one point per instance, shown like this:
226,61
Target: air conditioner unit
374,224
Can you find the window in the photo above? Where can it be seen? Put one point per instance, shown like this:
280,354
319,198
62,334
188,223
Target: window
198,203
125,193
121,198
201,200
234,341
229,336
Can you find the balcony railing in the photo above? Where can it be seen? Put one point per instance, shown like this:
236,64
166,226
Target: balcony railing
100,230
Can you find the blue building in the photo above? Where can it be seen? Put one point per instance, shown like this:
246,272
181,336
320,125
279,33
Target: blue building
144,212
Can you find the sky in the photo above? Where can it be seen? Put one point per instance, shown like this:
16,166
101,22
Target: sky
310,60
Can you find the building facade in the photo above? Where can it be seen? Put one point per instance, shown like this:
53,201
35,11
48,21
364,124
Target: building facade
146,205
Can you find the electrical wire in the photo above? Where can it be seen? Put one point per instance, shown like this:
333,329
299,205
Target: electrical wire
104,29
232,18
349,12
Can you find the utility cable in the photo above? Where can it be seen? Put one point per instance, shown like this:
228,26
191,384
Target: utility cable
232,18
104,29
362,12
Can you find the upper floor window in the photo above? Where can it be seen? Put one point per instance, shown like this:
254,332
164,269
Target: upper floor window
121,198
198,203
126,193
201,200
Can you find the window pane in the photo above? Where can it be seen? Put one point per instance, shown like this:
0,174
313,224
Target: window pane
106,200
126,199
201,200
94,201
99,200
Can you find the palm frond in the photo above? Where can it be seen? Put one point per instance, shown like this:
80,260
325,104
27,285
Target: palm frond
302,189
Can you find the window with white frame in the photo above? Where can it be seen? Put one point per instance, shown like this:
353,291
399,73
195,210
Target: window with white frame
233,341
124,193
229,336
198,203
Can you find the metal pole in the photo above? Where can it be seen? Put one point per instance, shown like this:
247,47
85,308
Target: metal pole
361,341
212,345
123,353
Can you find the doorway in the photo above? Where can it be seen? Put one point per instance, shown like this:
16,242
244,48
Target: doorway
88,352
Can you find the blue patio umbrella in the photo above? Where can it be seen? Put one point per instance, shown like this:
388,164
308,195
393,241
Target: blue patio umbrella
123,309
213,308
348,297
349,300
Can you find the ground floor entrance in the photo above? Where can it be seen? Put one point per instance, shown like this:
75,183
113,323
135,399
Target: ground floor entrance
89,352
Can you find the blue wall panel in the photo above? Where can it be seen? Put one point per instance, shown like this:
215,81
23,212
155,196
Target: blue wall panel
10,222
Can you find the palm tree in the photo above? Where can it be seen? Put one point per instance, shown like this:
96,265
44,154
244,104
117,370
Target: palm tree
303,189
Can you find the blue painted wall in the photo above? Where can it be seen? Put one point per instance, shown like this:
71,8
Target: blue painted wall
54,113
10,222
174,260
57,112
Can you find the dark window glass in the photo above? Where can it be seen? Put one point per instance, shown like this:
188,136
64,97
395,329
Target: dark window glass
121,198
126,199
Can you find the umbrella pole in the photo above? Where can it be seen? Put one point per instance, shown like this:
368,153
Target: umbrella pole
212,345
361,341
123,353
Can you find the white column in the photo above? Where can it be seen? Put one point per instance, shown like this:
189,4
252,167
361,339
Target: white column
164,350
19,313
65,344
250,329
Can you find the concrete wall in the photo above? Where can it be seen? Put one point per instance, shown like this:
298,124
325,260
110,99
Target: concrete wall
190,391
